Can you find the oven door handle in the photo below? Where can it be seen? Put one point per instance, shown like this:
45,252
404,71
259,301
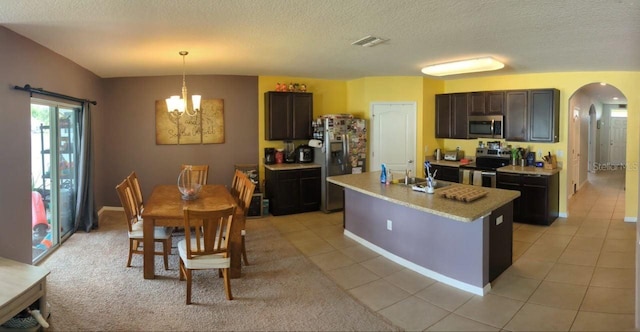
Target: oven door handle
488,173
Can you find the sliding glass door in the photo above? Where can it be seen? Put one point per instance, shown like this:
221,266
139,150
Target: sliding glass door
54,151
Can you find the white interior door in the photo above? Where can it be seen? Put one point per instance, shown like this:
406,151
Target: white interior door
617,141
393,137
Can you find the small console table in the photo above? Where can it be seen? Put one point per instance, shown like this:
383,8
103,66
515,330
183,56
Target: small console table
20,286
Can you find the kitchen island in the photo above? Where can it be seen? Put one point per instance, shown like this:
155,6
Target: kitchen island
462,244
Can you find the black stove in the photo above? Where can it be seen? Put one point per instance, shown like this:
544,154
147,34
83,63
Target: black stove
489,159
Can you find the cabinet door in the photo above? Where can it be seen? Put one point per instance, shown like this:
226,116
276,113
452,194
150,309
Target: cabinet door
309,190
516,115
443,116
512,182
534,207
278,117
495,103
544,115
446,173
477,103
459,119
302,114
283,191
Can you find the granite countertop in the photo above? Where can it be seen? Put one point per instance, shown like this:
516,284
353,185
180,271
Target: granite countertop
369,183
284,167
529,170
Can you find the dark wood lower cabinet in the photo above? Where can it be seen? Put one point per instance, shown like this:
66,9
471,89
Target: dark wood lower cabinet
539,196
292,191
446,173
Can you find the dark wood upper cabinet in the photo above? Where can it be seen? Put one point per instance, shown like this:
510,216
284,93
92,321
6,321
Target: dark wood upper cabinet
451,115
529,115
516,115
544,116
486,103
532,115
495,103
443,116
288,115
459,118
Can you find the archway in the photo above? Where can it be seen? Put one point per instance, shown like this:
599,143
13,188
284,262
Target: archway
590,145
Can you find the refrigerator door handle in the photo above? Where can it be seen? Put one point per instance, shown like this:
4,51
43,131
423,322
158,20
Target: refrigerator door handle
345,152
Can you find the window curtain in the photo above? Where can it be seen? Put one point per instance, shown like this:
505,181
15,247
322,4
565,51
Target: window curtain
86,214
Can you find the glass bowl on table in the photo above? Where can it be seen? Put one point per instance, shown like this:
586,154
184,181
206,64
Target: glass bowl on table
189,189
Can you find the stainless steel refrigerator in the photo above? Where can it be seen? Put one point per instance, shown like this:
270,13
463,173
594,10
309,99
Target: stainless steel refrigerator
343,151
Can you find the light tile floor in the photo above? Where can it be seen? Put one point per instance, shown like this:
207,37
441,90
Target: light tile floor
576,275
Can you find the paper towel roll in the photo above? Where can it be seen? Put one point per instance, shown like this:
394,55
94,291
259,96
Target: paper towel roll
465,176
477,178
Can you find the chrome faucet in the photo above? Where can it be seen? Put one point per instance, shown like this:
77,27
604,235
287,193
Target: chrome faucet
407,172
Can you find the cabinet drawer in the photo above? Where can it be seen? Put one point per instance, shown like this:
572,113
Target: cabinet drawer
508,178
287,175
310,173
536,180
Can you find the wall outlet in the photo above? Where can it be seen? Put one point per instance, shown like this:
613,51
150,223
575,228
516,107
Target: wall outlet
539,154
389,224
499,220
559,153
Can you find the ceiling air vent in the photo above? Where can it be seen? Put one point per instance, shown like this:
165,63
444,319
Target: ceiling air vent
368,41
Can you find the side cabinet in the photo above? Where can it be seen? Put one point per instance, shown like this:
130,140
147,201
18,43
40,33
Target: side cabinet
451,115
544,115
292,191
446,173
516,116
288,115
532,115
539,196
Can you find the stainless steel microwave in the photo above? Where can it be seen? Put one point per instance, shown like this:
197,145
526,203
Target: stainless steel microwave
489,126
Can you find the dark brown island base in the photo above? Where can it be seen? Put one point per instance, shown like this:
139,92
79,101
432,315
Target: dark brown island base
463,244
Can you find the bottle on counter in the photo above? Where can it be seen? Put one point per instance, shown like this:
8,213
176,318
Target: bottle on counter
383,174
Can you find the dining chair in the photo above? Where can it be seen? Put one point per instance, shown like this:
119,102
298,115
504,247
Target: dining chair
134,225
246,195
205,245
236,183
135,186
199,173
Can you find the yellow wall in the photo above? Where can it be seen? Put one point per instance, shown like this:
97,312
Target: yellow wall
329,96
627,82
362,92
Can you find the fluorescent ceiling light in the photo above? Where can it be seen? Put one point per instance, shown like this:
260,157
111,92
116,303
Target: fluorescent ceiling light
464,66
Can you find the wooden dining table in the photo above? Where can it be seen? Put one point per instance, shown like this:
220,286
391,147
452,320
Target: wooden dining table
165,208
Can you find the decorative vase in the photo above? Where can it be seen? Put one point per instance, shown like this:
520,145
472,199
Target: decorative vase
188,188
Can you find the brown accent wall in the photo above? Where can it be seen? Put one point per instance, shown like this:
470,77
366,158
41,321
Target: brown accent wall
129,125
123,130
23,61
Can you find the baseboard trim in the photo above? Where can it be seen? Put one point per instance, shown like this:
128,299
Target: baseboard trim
419,269
110,208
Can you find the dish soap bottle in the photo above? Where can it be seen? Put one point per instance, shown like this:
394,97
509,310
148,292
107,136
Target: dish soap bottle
383,174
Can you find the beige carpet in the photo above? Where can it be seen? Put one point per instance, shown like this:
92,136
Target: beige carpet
90,288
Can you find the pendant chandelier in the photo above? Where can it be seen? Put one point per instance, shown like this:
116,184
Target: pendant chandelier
178,106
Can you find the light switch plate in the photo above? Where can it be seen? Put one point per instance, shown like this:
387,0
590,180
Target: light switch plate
389,224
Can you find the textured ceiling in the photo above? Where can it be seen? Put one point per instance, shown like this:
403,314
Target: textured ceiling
312,38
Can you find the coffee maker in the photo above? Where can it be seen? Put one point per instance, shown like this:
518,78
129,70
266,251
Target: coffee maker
269,156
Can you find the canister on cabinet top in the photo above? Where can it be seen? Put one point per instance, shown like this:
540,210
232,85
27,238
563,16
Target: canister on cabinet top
438,154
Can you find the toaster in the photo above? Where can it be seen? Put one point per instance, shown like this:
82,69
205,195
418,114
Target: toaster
454,155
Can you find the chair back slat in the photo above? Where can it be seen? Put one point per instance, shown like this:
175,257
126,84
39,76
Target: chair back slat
248,188
128,201
137,190
236,183
199,173
210,229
